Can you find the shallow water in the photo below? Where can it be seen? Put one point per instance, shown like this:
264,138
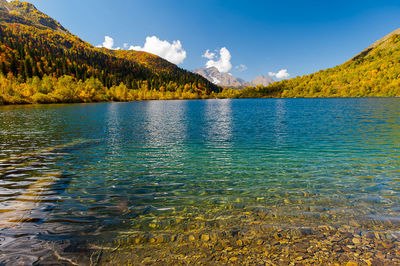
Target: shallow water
78,178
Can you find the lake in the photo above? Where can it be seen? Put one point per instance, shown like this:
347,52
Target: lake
201,181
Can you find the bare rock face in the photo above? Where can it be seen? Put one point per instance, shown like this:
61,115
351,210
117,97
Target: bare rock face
3,6
218,78
261,80
228,80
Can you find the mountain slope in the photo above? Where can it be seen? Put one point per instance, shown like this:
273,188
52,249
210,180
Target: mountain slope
26,13
373,72
35,45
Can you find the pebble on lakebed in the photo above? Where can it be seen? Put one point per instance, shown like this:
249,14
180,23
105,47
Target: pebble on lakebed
262,245
256,236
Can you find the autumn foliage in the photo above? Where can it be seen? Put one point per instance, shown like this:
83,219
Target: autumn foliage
41,62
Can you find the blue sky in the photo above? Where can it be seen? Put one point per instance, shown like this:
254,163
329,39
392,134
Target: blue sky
264,36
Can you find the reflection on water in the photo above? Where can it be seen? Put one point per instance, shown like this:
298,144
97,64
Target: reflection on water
280,123
218,127
113,128
165,125
102,183
218,116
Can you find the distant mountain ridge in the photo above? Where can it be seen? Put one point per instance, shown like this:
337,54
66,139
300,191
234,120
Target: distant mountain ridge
222,79
261,80
228,80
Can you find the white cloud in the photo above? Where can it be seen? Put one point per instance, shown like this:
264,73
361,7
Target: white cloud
241,68
224,63
208,55
171,52
282,74
108,43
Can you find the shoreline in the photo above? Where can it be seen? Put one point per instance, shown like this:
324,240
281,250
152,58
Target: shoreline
199,99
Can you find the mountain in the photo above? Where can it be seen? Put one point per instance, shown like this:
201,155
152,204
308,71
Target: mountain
227,80
26,13
261,80
374,72
222,79
33,46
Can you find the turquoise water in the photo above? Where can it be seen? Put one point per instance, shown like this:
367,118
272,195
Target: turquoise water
73,175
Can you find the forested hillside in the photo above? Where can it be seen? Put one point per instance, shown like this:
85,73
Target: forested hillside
42,62
373,72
